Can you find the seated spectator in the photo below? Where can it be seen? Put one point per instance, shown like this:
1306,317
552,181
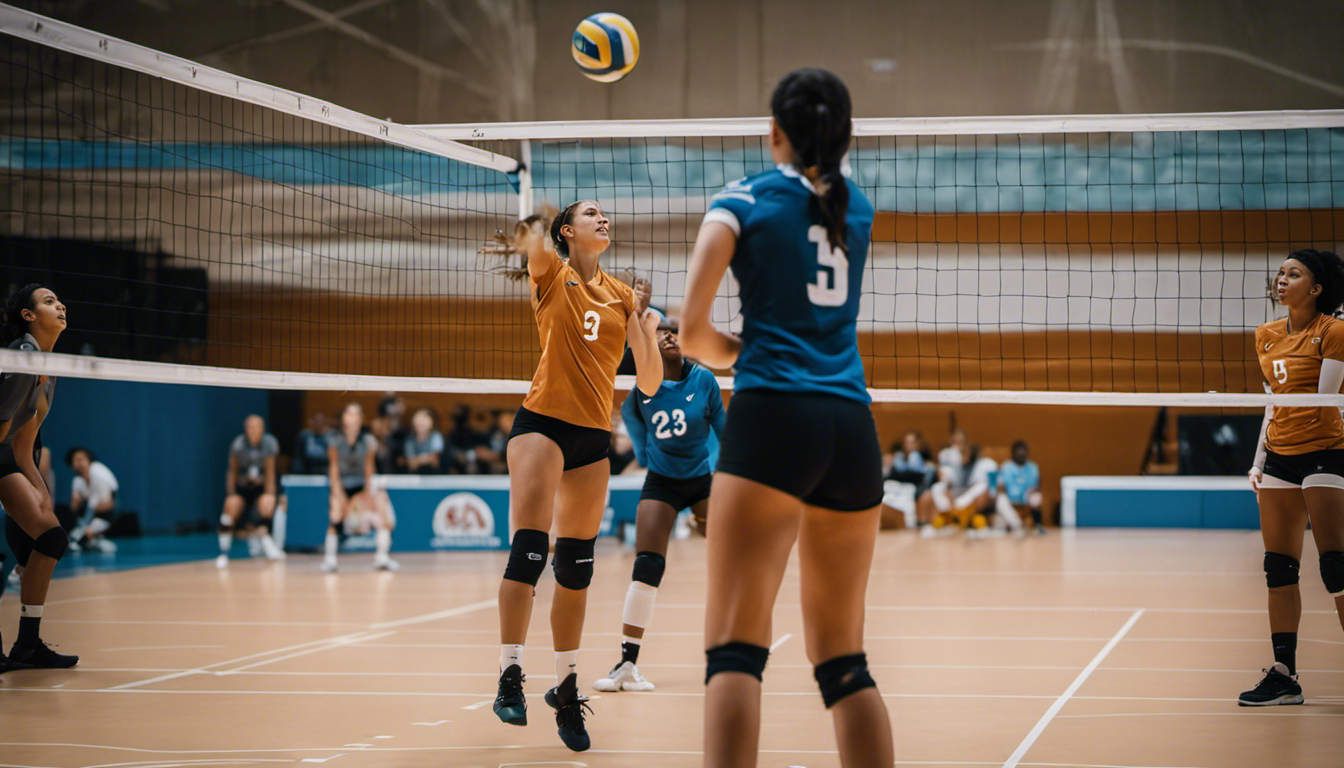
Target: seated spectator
310,447
93,500
499,440
962,492
387,427
908,475
1019,489
473,442
423,449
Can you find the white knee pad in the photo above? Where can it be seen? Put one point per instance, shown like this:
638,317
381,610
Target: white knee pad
226,520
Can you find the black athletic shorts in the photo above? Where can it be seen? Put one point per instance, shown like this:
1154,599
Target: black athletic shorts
353,490
250,494
580,446
678,493
821,448
1294,469
8,466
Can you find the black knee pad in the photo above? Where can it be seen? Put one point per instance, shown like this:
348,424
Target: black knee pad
20,543
53,542
573,562
843,676
736,657
527,556
1280,570
649,568
1332,572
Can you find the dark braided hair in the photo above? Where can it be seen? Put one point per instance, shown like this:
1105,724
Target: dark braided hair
1327,271
812,108
15,325
561,219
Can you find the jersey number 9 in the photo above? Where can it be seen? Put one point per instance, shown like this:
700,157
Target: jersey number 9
1281,370
831,288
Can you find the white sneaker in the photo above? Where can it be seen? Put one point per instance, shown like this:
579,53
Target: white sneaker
16,577
105,546
329,565
272,552
74,546
624,677
222,561
387,565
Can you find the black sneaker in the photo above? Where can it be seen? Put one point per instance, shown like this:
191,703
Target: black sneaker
510,704
1277,687
569,706
39,657
6,665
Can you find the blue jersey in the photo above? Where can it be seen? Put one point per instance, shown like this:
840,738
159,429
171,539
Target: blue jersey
800,296
1019,479
676,432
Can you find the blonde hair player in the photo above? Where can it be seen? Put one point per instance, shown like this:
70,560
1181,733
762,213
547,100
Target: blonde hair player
799,457
350,460
558,446
1298,474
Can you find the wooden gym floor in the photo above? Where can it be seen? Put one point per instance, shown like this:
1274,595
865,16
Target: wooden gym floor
1092,648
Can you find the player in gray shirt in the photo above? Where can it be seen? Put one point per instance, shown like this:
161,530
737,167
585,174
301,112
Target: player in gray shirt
34,319
350,453
250,484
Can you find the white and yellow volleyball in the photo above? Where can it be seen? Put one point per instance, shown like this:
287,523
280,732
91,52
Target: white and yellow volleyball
606,47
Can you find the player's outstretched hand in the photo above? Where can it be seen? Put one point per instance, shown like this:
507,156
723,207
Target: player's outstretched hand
643,292
1255,475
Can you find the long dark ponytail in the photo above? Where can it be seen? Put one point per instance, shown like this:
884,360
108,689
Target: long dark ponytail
15,325
1327,269
812,108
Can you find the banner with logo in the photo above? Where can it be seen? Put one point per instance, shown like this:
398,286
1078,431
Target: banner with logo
433,512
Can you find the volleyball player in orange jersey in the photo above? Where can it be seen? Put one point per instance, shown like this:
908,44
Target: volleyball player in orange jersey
1298,474
557,449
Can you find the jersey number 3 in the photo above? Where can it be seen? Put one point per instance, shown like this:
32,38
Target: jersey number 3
660,422
831,288
1281,371
591,320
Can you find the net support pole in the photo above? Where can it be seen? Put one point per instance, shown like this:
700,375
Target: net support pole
525,181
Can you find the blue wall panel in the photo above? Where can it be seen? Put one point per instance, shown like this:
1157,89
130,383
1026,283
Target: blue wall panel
167,444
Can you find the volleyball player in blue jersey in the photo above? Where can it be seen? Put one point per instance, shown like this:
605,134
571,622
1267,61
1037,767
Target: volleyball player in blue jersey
800,457
675,433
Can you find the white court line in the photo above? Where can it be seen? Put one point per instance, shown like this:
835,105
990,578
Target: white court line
679,694
330,646
1078,681
1009,608
469,608
212,623
1258,711
779,642
159,647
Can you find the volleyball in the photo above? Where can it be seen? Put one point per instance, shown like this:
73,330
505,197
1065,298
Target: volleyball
606,47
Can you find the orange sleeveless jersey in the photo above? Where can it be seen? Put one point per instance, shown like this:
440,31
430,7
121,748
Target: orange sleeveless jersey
1291,363
582,327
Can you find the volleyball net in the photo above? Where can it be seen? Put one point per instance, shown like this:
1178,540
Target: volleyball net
206,228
